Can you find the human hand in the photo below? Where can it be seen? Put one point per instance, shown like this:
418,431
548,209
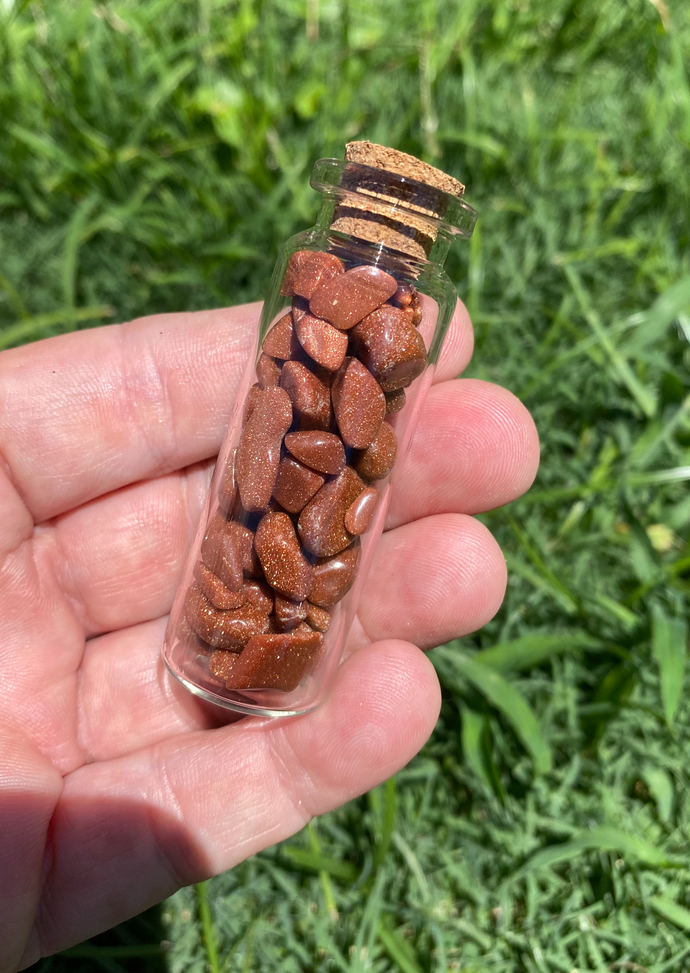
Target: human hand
117,786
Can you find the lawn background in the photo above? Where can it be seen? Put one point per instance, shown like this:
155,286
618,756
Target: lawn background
153,155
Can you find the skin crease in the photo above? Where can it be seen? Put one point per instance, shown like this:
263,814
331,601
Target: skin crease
115,784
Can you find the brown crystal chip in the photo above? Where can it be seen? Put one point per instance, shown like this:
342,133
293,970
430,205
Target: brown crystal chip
318,618
395,401
289,614
403,295
227,489
267,371
378,459
358,403
217,593
281,341
292,271
223,629
284,565
253,396
407,298
322,342
186,634
322,451
316,269
259,594
296,484
333,577
258,454
221,662
361,511
345,300
415,310
310,397
390,347
300,307
277,661
227,551
321,524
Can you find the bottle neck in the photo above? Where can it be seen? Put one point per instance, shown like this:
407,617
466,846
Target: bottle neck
399,236
409,221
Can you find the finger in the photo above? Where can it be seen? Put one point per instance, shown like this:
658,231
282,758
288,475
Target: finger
30,787
430,581
86,413
476,448
120,556
129,831
458,346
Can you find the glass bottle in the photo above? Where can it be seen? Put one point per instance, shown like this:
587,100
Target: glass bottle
350,333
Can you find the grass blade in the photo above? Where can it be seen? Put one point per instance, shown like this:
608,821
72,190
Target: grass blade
207,930
509,701
598,839
316,862
670,910
642,395
532,650
324,877
669,647
40,324
386,799
398,949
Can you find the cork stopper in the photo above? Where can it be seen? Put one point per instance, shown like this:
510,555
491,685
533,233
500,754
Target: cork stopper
392,160
393,213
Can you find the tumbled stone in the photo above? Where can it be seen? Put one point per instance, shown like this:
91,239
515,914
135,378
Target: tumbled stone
296,484
278,661
214,589
315,270
281,341
253,396
403,295
227,488
310,397
332,577
288,614
390,347
378,459
321,524
345,300
360,512
395,401
259,594
300,307
292,271
285,567
322,342
318,618
223,629
322,451
221,662
186,634
407,298
267,371
227,551
415,307
358,403
258,453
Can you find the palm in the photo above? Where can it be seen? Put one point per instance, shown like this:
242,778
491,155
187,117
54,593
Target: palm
119,786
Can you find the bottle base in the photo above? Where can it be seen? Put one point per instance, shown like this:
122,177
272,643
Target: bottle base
268,706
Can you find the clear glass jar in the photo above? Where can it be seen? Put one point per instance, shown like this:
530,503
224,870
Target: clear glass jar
350,333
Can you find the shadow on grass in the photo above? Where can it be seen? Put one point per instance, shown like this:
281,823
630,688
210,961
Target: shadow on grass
135,946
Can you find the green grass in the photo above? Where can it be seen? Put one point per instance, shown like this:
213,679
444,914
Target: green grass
153,155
